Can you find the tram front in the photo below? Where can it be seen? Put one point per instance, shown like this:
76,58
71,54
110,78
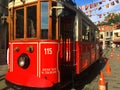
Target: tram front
33,44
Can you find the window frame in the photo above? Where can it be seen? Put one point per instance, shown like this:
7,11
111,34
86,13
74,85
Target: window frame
25,22
12,30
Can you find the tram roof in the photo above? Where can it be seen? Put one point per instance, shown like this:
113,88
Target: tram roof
16,3
79,11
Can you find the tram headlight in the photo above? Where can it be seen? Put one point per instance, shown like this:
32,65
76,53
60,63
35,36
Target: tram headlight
24,61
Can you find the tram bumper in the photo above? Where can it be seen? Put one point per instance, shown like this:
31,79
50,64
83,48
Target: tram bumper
27,80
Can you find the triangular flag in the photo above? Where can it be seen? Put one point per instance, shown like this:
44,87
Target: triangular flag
112,3
117,1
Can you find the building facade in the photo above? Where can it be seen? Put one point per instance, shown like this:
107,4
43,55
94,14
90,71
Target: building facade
109,35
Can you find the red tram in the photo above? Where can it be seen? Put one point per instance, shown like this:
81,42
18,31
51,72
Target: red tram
49,40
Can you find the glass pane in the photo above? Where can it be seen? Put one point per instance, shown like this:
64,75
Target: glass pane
85,32
31,21
44,20
20,23
93,35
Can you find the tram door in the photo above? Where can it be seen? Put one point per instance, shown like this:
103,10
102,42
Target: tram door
66,39
66,45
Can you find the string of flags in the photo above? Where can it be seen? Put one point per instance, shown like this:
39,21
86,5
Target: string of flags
93,5
98,6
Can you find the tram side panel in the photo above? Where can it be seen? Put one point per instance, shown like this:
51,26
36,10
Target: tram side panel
97,51
87,48
85,56
93,53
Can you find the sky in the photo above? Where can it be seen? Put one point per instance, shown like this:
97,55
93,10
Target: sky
84,2
103,11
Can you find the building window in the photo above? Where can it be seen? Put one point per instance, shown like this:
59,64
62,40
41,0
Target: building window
111,33
101,36
107,33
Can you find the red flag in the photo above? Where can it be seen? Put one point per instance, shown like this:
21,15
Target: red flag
86,7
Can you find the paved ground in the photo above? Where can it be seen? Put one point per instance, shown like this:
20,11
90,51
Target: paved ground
112,80
3,70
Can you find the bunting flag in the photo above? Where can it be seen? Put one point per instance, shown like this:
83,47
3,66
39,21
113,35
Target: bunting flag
83,7
107,5
91,5
86,7
100,15
100,2
104,14
98,6
95,5
117,1
103,0
112,3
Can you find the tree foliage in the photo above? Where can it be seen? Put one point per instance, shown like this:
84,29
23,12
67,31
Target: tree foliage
111,19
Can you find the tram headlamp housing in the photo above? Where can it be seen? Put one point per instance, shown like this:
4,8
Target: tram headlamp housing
24,61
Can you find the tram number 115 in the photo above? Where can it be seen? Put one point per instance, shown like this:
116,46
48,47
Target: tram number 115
48,51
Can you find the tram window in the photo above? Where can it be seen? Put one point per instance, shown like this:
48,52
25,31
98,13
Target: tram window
31,21
93,35
20,23
97,35
85,32
44,20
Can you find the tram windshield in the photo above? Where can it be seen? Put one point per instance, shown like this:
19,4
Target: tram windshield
20,23
31,22
28,23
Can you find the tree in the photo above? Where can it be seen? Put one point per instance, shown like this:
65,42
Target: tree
111,19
